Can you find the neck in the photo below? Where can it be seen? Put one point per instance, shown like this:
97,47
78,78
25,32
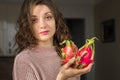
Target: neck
45,43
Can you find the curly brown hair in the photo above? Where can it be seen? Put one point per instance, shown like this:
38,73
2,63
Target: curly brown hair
24,37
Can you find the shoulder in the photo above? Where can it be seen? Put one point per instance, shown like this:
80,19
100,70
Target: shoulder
22,57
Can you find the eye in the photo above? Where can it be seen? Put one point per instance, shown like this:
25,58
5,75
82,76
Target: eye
34,20
48,18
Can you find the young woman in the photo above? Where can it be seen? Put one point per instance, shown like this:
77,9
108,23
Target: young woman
40,30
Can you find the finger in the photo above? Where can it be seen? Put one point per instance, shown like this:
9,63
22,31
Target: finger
92,58
85,70
68,64
88,69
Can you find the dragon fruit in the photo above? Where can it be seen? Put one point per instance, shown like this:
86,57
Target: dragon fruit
83,56
68,51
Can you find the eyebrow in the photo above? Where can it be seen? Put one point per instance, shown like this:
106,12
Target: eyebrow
45,14
49,12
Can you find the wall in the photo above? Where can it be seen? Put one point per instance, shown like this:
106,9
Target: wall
80,11
8,16
107,54
10,13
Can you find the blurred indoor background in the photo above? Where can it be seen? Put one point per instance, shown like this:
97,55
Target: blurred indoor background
85,18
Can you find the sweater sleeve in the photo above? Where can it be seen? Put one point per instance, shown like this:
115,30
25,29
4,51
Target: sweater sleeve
22,70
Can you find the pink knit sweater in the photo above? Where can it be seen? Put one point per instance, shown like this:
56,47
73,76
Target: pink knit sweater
40,63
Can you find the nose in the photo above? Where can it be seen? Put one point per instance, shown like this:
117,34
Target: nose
42,24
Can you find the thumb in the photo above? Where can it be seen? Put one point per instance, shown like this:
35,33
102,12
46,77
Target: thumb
68,64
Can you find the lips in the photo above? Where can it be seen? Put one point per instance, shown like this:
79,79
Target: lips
44,32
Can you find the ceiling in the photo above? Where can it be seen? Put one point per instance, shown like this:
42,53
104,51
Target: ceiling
65,2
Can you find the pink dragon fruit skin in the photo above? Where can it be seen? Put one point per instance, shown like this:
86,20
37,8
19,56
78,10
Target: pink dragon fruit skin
83,57
85,54
89,53
68,51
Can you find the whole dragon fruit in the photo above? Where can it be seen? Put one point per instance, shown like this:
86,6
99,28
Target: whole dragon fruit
68,51
83,56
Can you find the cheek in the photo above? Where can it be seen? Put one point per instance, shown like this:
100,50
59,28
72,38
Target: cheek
53,27
35,31
54,30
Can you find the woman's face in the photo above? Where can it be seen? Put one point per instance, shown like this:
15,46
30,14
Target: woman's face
43,23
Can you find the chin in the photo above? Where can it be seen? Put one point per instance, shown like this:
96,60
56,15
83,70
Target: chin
45,39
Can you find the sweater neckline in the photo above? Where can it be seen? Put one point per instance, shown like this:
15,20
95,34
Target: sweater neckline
45,47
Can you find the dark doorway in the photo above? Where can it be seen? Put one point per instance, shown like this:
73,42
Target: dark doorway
77,30
6,67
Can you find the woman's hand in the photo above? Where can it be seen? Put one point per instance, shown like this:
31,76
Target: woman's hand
66,71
